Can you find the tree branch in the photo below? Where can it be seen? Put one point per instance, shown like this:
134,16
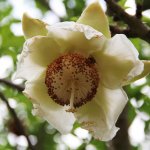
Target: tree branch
16,119
128,32
135,25
15,86
139,8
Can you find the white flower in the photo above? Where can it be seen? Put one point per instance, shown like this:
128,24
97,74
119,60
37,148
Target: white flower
75,71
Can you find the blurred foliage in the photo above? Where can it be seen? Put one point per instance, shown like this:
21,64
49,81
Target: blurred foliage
74,9
146,4
45,137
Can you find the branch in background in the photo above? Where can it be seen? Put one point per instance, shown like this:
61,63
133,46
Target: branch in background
45,3
127,32
16,119
139,8
15,86
136,26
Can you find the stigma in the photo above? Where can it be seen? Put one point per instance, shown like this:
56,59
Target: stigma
72,80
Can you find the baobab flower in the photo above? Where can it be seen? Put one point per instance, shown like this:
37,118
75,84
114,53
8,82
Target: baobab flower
75,72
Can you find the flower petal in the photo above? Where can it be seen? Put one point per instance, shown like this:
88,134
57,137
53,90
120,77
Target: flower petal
33,27
94,16
47,108
37,53
112,102
75,37
118,62
145,72
100,115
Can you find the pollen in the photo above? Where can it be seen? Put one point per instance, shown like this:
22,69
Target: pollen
72,80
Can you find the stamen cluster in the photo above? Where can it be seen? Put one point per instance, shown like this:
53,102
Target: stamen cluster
72,78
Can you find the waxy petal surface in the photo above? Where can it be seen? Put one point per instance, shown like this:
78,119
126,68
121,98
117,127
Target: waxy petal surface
95,17
118,62
47,108
100,115
38,52
33,27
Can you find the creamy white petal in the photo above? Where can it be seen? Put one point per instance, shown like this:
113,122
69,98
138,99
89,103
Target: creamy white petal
118,62
45,107
95,17
37,53
112,102
92,118
100,115
75,37
33,27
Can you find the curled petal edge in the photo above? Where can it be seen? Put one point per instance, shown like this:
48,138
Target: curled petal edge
145,72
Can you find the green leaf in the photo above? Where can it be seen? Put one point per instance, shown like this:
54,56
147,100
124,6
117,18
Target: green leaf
98,144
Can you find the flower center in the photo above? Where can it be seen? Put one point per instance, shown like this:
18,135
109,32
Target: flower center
72,79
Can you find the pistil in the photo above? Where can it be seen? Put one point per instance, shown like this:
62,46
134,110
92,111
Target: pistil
72,96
